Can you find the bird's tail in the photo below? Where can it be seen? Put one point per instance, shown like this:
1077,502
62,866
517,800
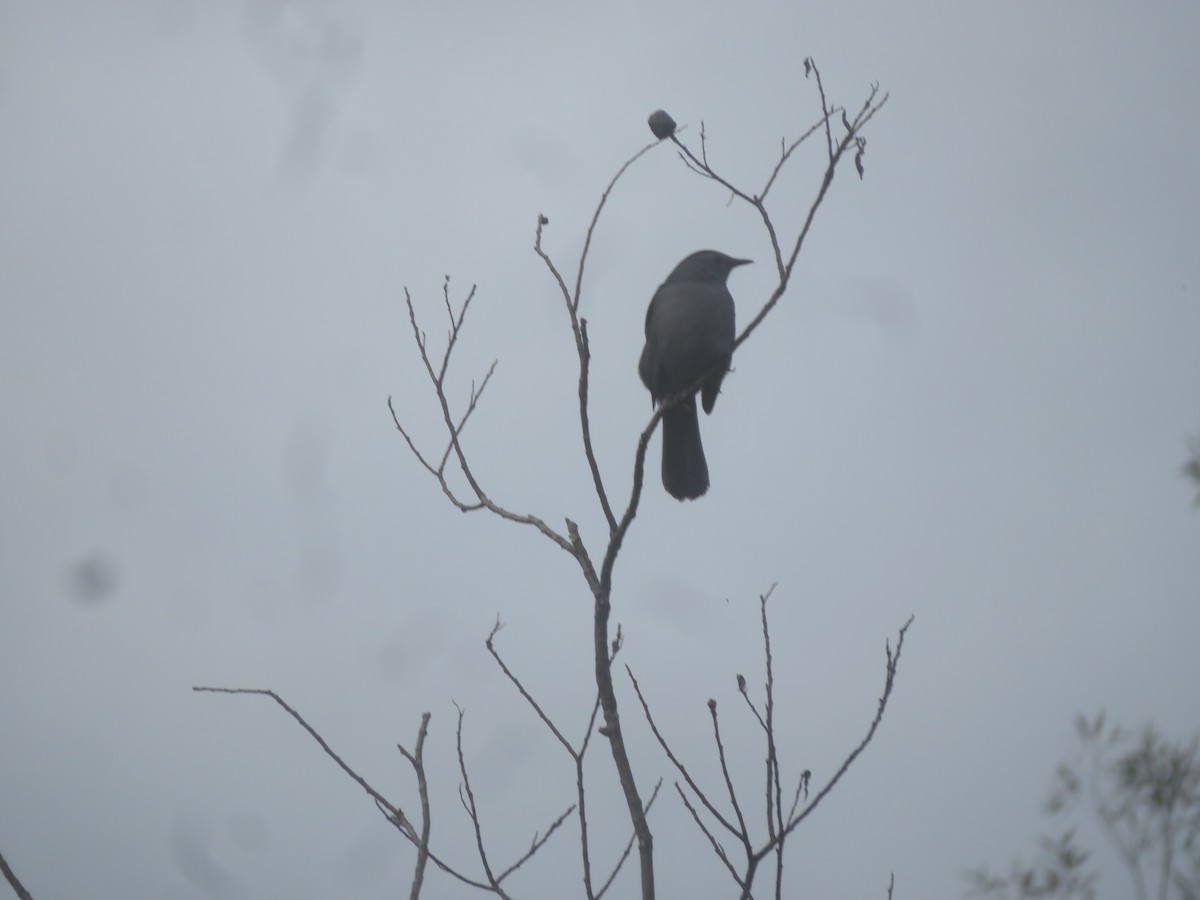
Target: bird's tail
684,469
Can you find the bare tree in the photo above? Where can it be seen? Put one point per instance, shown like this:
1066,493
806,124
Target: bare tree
450,465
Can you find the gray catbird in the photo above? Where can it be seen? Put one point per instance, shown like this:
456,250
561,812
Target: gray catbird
689,342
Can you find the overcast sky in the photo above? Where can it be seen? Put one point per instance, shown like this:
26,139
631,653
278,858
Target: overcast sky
972,406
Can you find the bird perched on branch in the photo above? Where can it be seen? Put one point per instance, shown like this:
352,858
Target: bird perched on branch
689,346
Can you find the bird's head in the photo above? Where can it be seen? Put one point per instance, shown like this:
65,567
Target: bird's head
705,266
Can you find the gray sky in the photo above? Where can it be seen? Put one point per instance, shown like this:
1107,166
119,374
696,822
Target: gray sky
972,406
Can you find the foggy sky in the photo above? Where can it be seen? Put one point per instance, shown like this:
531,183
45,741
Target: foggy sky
972,406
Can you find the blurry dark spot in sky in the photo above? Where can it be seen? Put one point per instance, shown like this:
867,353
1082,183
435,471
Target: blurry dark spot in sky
190,840
249,830
312,56
93,579
319,571
884,301
305,461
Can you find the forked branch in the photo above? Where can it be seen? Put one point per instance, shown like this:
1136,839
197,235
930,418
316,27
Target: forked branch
778,825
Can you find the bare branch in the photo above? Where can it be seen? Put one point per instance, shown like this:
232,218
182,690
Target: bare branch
587,243
774,810
392,813
468,802
472,401
467,796
579,329
784,267
810,66
417,759
616,740
582,803
576,755
893,660
537,843
750,703
744,834
489,643
436,379
716,814
712,838
785,152
801,788
629,846
13,881
391,810
585,357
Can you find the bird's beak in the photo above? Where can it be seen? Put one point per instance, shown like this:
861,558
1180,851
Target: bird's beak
740,262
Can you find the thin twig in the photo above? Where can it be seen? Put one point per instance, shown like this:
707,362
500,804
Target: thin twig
577,756
784,267
585,851
582,347
745,835
810,65
801,788
774,785
893,661
579,329
329,751
585,425
489,643
436,379
468,802
392,813
537,843
716,814
785,153
712,838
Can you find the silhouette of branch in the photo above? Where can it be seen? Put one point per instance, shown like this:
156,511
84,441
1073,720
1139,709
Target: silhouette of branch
329,751
774,808
717,847
852,139
579,328
468,802
467,796
629,845
786,151
810,68
454,430
737,809
893,661
778,827
417,759
576,755
390,811
13,881
713,811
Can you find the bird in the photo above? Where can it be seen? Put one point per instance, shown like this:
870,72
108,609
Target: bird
690,335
